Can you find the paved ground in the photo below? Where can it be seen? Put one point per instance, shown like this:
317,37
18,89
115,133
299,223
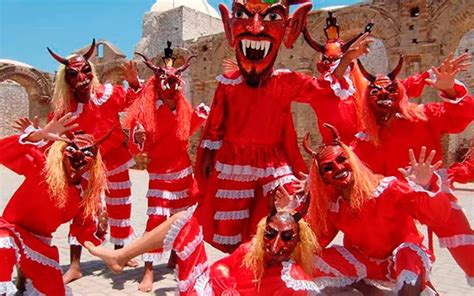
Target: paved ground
447,276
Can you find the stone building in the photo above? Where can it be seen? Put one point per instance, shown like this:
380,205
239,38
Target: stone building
425,31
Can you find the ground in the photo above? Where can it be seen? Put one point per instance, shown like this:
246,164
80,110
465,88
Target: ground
98,280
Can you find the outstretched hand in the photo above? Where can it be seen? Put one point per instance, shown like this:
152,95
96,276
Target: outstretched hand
359,48
55,129
446,72
22,123
302,186
422,170
130,73
139,134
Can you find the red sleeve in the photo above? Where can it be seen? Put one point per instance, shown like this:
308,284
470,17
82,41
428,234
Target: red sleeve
462,172
328,236
124,98
414,85
23,159
198,118
214,129
85,229
304,88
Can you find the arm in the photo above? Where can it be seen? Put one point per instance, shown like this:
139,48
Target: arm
200,114
85,229
20,157
414,85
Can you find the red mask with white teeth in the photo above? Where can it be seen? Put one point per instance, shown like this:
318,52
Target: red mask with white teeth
256,29
79,73
384,93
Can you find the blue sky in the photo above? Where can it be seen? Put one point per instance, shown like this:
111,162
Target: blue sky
28,26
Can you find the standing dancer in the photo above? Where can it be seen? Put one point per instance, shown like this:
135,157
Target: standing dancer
249,145
161,122
394,126
97,108
52,193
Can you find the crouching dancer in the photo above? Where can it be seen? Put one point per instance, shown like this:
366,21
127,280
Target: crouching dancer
275,262
50,196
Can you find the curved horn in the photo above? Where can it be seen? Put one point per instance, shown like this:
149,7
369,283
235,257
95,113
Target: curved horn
368,29
311,42
307,147
300,214
392,75
335,133
149,63
272,210
184,67
367,75
57,57
89,53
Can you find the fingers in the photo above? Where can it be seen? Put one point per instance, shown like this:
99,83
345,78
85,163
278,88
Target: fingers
422,155
412,157
436,71
56,137
70,127
404,172
437,165
429,82
432,154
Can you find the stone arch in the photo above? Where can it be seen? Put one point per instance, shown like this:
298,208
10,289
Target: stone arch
37,85
13,104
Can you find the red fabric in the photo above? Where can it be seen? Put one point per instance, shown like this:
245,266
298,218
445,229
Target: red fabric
462,172
414,85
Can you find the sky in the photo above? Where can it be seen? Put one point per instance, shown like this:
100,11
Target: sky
27,27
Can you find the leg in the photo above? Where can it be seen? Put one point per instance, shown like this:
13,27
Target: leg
146,285
20,280
74,271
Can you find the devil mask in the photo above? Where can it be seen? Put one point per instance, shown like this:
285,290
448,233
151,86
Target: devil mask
335,47
79,73
256,29
333,161
383,93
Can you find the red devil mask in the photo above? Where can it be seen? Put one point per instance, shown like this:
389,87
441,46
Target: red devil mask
256,29
384,93
169,78
333,162
79,73
335,47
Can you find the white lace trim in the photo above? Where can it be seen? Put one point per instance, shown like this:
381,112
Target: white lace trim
418,188
160,211
360,268
253,171
176,227
121,168
235,194
292,283
45,239
9,243
422,254
470,281
79,110
456,241
7,288
445,182
278,182
105,96
458,99
172,176
40,258
191,247
227,240
336,87
337,282
115,201
168,195
383,185
334,206
30,129
204,114
280,71
202,286
211,145
119,185
362,136
238,178
73,241
119,222
122,241
156,258
229,81
232,215
322,265
31,290
198,270
405,277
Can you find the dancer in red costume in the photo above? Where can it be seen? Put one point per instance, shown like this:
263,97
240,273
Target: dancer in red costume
275,262
394,126
97,108
377,216
161,122
463,172
53,193
249,144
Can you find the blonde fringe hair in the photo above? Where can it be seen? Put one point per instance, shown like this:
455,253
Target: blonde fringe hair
303,254
365,182
62,95
57,182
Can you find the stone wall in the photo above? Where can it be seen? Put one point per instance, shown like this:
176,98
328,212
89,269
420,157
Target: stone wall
13,104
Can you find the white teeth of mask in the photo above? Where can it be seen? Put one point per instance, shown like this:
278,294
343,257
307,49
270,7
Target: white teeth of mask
257,45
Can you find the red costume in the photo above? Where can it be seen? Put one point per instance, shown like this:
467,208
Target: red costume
31,217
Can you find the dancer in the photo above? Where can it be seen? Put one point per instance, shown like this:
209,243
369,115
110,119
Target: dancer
97,108
161,122
395,125
275,262
249,145
463,172
346,196
52,193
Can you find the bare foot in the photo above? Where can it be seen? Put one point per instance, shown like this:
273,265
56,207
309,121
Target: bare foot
110,257
146,285
132,263
71,275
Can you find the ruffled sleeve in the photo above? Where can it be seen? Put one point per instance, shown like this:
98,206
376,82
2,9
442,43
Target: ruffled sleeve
22,158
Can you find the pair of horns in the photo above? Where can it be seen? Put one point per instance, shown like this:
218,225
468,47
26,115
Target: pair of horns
336,139
158,69
64,61
297,216
392,75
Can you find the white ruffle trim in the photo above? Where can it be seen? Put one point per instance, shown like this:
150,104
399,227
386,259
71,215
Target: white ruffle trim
278,182
322,265
235,194
204,114
227,240
232,215
383,185
119,185
172,176
169,195
38,257
445,182
156,258
190,247
7,288
419,188
336,87
337,282
238,178
30,129
198,271
405,277
30,290
228,81
176,227
422,254
121,168
292,283
79,110
458,99
360,268
8,242
119,222
202,286
105,96
211,145
160,211
116,201
45,239
248,170
470,281
73,241
280,71
123,241
456,241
